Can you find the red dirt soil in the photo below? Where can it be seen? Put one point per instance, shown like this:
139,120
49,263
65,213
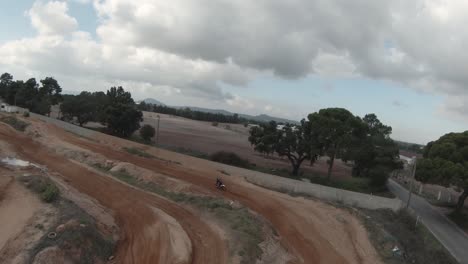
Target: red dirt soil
298,235
131,207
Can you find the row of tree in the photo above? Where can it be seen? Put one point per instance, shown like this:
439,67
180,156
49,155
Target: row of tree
445,162
115,109
335,133
192,114
37,97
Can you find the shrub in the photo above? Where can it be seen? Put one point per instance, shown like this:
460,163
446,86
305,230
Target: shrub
230,158
214,124
147,132
378,176
26,114
50,193
15,123
138,152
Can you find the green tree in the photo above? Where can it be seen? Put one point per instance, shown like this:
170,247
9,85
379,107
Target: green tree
445,162
6,80
121,116
82,106
27,95
335,128
374,153
294,142
147,132
51,90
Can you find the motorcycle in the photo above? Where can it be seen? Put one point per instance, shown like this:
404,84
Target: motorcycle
221,187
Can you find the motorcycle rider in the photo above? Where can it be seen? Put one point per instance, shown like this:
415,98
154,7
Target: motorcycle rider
219,183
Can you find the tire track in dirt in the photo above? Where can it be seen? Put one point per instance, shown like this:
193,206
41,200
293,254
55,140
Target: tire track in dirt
131,207
298,236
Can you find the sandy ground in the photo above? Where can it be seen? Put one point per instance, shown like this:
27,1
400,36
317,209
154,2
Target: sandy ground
133,212
16,208
310,231
21,212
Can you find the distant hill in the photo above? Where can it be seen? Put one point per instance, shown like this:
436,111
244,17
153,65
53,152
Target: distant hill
259,118
153,101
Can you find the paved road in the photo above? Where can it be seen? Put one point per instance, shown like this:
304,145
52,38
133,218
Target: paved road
450,235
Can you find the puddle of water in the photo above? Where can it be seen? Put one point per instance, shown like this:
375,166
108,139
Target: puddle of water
17,162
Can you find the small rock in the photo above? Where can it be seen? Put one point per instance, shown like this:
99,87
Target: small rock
111,258
60,228
82,225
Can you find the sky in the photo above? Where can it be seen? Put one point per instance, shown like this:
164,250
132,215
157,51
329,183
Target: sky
403,60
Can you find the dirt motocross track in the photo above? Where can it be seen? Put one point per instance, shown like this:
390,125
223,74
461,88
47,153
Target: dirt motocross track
312,232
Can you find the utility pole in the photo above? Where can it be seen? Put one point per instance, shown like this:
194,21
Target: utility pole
411,183
157,130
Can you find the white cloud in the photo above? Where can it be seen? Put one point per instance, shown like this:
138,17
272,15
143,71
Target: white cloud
193,46
51,18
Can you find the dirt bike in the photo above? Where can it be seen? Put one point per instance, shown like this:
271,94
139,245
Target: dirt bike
221,187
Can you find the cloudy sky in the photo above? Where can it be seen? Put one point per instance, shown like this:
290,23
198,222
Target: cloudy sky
404,60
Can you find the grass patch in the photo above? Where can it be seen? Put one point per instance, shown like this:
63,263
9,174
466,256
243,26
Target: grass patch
388,229
246,227
186,151
45,188
230,158
138,152
15,123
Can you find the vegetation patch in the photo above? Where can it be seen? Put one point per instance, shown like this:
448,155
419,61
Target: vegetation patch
46,188
138,152
389,231
76,232
15,123
230,158
79,239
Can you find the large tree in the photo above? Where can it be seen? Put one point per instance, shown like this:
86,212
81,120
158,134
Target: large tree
121,116
374,148
82,106
445,162
6,80
294,142
335,128
50,90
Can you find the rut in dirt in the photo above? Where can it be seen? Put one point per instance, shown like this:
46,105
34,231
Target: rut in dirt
131,207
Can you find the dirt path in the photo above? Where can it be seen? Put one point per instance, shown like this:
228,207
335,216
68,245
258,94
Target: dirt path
300,233
17,206
133,210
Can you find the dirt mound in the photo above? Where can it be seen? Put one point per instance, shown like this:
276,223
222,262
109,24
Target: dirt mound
51,255
178,248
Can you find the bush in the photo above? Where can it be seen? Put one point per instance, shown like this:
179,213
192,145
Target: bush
15,123
147,132
378,176
50,193
230,158
214,124
26,114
